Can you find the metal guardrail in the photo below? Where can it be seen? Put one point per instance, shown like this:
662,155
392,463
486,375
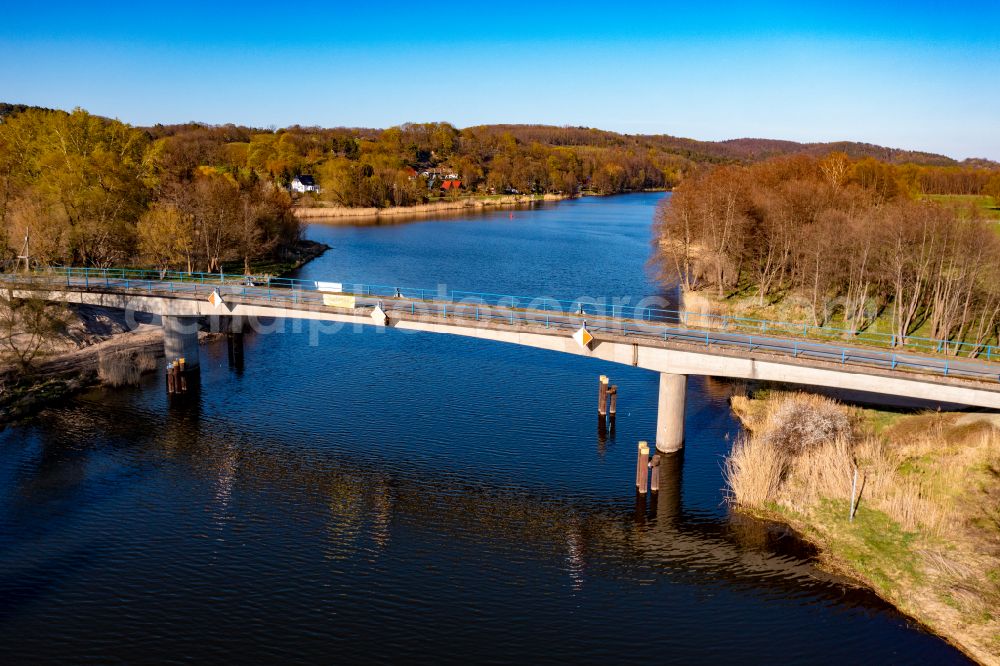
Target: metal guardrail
668,325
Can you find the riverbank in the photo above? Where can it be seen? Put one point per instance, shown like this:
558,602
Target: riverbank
288,260
926,532
97,342
72,362
344,215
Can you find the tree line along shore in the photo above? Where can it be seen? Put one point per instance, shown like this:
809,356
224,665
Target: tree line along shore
92,178
836,243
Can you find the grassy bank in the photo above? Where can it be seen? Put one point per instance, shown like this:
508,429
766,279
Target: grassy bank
986,205
791,314
926,532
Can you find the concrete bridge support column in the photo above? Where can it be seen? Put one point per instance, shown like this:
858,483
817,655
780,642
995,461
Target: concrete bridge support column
670,413
180,340
234,342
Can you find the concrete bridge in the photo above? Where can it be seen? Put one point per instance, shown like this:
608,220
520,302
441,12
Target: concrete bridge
663,344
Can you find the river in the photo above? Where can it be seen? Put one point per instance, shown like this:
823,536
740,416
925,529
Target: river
364,495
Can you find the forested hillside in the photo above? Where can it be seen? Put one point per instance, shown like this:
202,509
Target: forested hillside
81,189
96,191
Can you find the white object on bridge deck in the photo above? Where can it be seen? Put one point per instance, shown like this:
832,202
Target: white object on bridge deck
379,316
335,287
583,337
339,301
215,298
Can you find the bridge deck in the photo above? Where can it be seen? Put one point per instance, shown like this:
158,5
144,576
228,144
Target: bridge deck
943,370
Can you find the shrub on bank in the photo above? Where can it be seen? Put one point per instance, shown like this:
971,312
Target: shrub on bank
803,422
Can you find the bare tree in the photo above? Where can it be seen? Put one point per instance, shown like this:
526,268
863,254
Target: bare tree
27,324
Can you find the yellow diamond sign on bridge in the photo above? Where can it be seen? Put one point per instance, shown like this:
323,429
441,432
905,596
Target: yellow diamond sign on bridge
583,337
215,298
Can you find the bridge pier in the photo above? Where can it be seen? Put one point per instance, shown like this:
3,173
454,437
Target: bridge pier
234,342
666,504
670,413
180,340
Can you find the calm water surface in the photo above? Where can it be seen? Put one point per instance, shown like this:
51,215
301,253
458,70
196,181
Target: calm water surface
378,495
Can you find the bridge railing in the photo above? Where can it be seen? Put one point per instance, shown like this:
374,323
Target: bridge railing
180,281
710,339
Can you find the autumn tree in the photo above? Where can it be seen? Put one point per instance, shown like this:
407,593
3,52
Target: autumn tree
214,207
678,236
264,221
166,237
992,188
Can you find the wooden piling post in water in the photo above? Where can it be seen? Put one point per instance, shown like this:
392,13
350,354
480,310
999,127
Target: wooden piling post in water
612,410
641,466
639,463
654,477
182,375
177,377
644,469
602,398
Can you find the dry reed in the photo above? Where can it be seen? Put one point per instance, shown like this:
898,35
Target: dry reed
753,472
936,477
122,366
805,449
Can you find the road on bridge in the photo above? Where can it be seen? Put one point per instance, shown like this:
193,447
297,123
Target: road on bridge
641,323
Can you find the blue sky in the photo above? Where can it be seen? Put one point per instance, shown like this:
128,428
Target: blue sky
921,75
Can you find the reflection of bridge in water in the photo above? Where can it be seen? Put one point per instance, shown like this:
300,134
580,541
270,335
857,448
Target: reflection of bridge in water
670,343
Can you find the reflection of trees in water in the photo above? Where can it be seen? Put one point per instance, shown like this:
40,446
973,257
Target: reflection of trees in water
592,537
360,513
575,555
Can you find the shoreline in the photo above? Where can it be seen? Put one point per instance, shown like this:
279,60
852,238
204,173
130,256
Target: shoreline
907,580
349,215
66,372
839,566
332,214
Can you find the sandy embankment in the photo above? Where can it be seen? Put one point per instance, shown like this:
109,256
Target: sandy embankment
71,362
334,213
